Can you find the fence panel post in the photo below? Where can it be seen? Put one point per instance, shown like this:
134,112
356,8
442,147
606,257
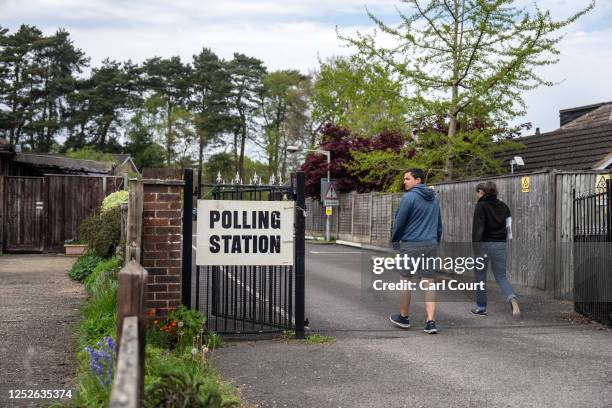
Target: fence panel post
130,304
133,243
299,256
187,238
371,216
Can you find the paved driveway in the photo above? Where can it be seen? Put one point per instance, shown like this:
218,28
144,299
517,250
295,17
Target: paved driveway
40,306
551,358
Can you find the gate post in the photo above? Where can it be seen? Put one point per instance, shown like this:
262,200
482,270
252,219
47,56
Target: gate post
187,238
300,225
609,208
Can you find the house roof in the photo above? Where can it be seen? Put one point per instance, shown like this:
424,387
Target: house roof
599,117
57,162
568,148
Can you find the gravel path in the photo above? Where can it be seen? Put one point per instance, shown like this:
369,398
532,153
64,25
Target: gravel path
40,307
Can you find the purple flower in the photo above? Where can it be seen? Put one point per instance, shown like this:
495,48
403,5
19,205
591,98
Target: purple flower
102,359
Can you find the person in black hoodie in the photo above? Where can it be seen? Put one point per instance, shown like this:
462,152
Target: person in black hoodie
491,228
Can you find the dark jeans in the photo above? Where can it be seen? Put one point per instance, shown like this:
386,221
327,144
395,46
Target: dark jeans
495,255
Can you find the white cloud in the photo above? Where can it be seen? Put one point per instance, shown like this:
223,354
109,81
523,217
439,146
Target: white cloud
293,34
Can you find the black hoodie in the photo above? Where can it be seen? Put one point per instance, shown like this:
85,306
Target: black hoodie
490,220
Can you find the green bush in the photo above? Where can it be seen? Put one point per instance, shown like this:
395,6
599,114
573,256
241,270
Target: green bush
177,380
102,273
100,315
84,266
114,200
101,231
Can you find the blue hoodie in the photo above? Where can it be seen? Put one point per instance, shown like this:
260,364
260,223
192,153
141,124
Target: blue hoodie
418,217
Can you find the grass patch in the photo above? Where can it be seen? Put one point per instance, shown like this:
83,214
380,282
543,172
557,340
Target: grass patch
319,339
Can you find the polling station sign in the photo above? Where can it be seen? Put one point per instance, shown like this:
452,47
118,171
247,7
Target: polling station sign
231,232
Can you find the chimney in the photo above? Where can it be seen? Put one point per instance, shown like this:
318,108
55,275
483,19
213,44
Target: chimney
537,131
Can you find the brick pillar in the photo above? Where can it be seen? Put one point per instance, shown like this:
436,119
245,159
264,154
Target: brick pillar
161,241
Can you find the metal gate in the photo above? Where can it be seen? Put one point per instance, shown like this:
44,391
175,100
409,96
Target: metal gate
593,253
249,299
23,227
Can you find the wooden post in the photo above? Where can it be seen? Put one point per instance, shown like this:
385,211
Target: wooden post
130,303
134,224
125,181
352,215
371,217
129,377
1,213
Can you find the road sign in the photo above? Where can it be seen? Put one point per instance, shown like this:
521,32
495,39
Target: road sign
329,195
331,198
328,210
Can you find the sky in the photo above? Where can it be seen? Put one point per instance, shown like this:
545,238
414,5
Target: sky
297,34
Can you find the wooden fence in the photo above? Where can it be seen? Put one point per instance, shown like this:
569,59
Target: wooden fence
128,385
40,213
540,254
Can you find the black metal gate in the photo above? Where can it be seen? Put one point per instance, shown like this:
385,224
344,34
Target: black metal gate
250,299
593,253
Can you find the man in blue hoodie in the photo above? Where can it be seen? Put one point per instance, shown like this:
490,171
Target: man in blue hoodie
417,231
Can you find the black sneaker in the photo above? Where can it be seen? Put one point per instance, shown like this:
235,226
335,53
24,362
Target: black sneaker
430,327
479,312
400,321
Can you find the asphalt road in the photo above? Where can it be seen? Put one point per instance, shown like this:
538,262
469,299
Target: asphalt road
551,358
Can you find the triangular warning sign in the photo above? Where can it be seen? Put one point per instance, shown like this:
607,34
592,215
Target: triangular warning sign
601,183
331,193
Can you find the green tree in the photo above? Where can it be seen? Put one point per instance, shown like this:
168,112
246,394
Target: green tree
210,101
169,80
363,96
467,60
246,75
279,98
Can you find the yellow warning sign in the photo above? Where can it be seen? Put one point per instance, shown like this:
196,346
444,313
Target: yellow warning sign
525,184
328,210
600,183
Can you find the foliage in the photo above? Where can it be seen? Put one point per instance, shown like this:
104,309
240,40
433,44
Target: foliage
100,314
103,272
102,360
279,97
465,61
84,266
89,153
177,380
179,330
357,164
364,97
319,339
114,200
101,230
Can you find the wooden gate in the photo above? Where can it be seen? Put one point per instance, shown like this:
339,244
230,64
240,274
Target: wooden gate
24,214
42,212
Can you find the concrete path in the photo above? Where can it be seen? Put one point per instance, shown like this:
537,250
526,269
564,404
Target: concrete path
40,306
551,358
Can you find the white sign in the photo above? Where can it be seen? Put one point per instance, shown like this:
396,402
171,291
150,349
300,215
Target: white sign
331,196
232,232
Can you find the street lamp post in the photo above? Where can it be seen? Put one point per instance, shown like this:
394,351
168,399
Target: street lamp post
327,153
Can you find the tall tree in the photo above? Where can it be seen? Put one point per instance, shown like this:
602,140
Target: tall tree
210,101
467,60
169,80
279,96
361,95
246,76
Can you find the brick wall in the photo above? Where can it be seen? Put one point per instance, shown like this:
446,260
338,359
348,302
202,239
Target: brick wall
161,242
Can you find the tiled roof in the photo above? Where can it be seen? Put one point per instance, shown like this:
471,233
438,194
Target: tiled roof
599,117
571,148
